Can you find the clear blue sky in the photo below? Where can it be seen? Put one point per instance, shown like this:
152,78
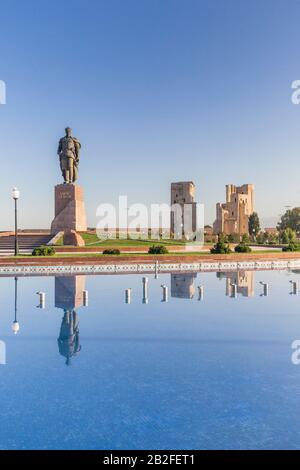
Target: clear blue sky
157,91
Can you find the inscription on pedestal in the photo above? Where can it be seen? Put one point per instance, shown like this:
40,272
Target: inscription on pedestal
69,209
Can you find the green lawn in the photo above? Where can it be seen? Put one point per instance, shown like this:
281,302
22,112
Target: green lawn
91,239
82,255
133,255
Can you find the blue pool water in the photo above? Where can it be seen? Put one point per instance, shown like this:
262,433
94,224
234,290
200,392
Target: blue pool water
183,374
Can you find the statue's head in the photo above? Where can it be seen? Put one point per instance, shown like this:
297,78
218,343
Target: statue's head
68,131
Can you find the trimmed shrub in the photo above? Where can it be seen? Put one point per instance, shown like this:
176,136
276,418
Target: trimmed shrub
292,247
44,250
221,248
111,251
242,248
157,250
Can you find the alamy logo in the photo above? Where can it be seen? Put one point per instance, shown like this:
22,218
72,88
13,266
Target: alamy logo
295,97
2,353
295,357
2,92
161,221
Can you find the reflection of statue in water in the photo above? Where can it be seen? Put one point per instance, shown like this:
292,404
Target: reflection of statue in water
68,151
68,340
69,296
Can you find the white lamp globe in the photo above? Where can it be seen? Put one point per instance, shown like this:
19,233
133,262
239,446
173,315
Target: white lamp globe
15,327
15,193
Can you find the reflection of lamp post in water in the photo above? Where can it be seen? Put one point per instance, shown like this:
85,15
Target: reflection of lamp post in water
16,326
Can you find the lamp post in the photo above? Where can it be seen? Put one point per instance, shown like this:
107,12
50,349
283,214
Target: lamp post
16,195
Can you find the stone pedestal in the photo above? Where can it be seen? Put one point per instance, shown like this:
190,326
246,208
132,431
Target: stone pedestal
72,238
69,209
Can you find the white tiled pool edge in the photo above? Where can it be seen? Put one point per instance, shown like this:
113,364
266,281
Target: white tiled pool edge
148,267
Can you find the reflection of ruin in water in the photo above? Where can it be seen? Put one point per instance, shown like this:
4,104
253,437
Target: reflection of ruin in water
68,297
183,285
243,280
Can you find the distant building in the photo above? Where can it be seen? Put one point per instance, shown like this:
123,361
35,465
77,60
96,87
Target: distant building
233,215
208,230
183,193
271,230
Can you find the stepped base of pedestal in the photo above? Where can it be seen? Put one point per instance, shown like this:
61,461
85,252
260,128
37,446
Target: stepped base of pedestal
69,209
72,238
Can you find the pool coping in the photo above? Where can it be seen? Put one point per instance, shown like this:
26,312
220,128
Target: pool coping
142,264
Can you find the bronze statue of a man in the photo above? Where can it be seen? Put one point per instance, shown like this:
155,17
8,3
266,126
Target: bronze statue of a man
68,151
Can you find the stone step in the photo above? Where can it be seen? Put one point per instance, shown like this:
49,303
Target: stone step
25,241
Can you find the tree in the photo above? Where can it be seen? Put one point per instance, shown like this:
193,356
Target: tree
288,235
222,237
245,239
233,238
273,238
260,238
291,219
254,224
265,237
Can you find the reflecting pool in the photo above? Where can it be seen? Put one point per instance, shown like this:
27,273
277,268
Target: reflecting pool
208,361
